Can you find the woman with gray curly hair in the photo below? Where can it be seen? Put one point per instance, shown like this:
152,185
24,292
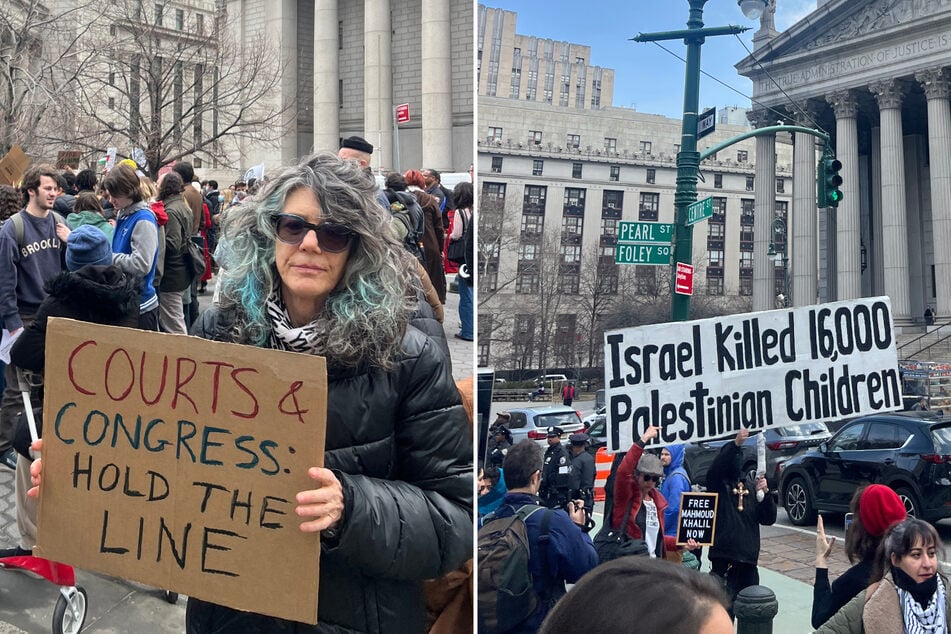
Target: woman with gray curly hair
310,265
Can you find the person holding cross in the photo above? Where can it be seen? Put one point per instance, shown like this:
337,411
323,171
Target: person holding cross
735,549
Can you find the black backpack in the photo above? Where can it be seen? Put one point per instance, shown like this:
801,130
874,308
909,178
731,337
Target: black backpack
506,594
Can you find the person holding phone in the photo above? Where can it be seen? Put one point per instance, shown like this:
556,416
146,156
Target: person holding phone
873,509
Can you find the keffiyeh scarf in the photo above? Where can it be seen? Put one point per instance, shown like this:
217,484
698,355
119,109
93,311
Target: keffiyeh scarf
918,619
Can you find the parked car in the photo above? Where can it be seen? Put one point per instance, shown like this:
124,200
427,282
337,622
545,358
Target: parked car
909,452
781,444
533,422
599,415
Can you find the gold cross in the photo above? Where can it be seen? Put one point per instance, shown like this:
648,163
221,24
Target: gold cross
740,492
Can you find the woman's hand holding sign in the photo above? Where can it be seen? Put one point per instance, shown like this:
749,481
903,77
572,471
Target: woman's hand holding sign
36,469
321,507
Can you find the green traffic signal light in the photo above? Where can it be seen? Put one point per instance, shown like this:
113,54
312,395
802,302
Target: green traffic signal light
828,181
833,181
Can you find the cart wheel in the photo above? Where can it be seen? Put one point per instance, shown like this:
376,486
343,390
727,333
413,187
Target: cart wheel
171,597
70,612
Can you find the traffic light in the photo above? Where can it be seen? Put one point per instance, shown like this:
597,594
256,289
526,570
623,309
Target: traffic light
828,181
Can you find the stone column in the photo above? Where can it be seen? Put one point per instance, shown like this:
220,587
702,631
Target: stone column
764,271
848,238
894,225
803,232
326,76
436,92
378,82
937,88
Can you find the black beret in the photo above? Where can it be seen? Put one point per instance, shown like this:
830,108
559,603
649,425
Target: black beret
357,143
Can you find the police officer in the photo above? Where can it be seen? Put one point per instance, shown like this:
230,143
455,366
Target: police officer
502,442
556,472
582,471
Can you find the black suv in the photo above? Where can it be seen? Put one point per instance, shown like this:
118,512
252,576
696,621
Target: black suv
909,452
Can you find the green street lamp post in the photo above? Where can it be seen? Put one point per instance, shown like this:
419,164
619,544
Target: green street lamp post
688,159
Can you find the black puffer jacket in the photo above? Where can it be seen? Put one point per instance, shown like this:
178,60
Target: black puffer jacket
401,446
99,294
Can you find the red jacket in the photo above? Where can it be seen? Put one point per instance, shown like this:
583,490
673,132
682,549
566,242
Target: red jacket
625,488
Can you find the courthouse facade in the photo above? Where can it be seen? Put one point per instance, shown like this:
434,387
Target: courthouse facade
873,74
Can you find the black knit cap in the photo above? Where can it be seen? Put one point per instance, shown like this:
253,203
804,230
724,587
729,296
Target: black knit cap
357,143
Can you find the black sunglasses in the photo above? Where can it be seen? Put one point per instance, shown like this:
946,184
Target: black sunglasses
649,478
332,238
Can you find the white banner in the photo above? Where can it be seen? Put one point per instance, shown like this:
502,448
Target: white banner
704,379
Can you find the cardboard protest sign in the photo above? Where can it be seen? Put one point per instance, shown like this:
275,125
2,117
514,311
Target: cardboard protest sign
698,518
705,379
13,165
175,461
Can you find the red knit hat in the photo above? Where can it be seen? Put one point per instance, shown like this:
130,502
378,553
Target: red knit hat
879,508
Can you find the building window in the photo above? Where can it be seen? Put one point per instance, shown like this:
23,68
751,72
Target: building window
742,156
610,144
576,170
574,201
574,141
112,78
179,19
715,257
718,181
572,225
615,173
493,191
645,147
537,166
526,282
746,286
200,23
571,253
112,103
569,283
609,226
532,225
159,13
746,259
649,207
579,60
527,251
495,134
716,230
535,136
651,175
196,162
749,183
340,93
340,35
488,280
496,164
780,185
646,280
534,199
113,30
612,199
714,285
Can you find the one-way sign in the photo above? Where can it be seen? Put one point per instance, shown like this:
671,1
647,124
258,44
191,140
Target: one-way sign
706,123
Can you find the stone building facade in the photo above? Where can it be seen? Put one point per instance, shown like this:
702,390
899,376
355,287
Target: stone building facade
874,75
558,172
350,63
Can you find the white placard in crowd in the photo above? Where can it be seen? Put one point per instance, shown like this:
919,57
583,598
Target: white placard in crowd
705,379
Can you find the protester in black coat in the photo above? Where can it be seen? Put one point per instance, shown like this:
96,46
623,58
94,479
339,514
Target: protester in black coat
394,503
735,549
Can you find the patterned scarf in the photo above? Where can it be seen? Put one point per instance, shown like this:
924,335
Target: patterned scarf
918,619
284,336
